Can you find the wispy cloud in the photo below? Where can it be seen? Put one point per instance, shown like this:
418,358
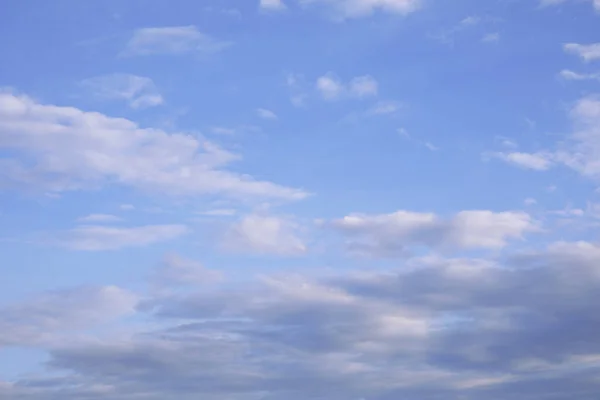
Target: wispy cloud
99,218
139,92
173,40
345,9
576,76
98,238
266,114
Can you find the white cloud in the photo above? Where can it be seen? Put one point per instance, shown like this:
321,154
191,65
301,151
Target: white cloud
546,3
363,86
344,9
98,238
575,76
583,154
396,233
127,207
296,85
431,146
266,114
220,212
536,161
385,108
63,148
530,201
174,40
140,92
264,235
491,38
99,218
272,5
332,88
587,52
579,151
219,130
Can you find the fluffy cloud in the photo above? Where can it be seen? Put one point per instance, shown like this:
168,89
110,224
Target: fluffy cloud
264,234
397,233
60,149
173,40
433,328
97,238
344,9
587,52
139,92
332,88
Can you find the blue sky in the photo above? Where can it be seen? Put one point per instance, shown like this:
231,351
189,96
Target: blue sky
341,199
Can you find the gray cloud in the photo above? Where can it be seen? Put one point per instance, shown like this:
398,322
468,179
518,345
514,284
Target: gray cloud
523,327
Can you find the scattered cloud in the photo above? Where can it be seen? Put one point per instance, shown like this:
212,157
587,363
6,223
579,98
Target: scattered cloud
220,130
75,150
332,88
575,76
580,151
173,40
99,218
547,3
491,38
220,212
536,161
385,108
346,9
363,86
587,52
448,35
296,85
264,234
397,233
530,201
230,12
266,114
431,146
138,91
99,238
272,5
